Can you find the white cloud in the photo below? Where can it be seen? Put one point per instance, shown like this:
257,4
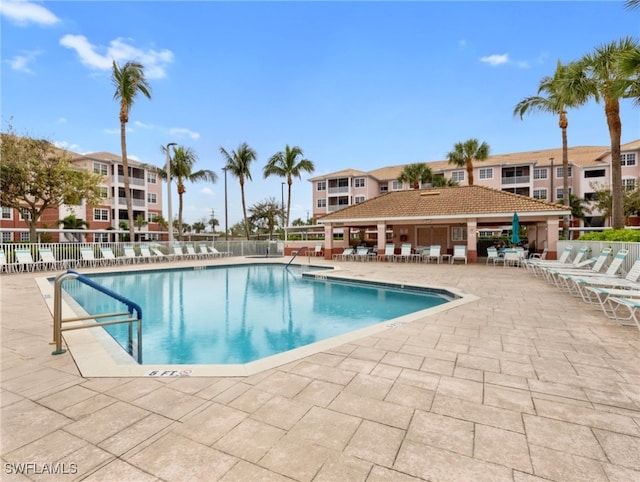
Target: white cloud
69,147
62,120
183,132
207,191
101,58
21,62
25,13
495,59
144,126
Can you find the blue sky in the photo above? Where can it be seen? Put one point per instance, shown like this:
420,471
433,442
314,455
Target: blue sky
355,84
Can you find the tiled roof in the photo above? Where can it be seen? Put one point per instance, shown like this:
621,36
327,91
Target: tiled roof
106,157
456,201
343,173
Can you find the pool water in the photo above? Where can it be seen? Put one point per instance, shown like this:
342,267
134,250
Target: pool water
238,314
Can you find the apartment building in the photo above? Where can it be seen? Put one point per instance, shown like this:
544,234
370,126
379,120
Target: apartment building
146,193
536,174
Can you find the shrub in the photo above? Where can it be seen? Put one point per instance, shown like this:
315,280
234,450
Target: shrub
623,235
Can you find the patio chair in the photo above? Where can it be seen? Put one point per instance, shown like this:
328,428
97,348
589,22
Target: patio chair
25,261
130,255
539,256
4,266
177,252
108,257
434,253
558,276
362,254
191,252
318,250
459,253
579,285
49,261
87,257
344,256
406,253
631,305
159,255
511,257
389,253
222,254
534,264
145,254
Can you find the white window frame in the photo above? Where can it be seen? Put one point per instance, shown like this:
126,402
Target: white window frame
24,237
457,176
152,178
459,233
540,194
629,184
101,237
7,237
7,213
321,186
152,198
359,199
397,186
322,203
100,168
150,217
560,172
485,173
24,214
560,193
628,159
98,214
359,182
541,173
104,192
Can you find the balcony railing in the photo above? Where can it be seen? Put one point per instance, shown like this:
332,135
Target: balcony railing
516,180
336,207
134,202
132,180
335,190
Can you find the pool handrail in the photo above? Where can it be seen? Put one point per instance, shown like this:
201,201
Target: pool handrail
296,254
57,313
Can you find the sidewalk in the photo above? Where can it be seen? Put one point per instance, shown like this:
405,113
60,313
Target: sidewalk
524,384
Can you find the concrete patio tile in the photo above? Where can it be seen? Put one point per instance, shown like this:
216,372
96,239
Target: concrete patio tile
281,412
502,447
517,369
386,371
343,468
429,353
326,428
375,443
230,394
428,381
8,398
251,400
320,372
523,477
319,393
382,474
522,349
441,367
558,389
136,434
40,383
562,466
403,360
296,460
357,365
615,473
587,417
25,421
442,432
410,396
617,399
46,449
119,470
244,471
369,386
190,385
444,465
511,398
134,389
368,353
479,363
210,424
86,459
169,403
504,380
174,457
249,440
284,384
65,398
88,406
478,413
622,450
469,374
374,410
219,386
460,388
326,359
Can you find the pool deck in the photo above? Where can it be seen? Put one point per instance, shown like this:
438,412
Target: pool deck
524,383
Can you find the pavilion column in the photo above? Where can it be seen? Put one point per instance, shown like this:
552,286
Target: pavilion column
382,237
472,240
328,241
553,227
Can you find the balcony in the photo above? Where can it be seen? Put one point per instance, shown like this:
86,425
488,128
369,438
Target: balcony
339,189
132,180
516,180
134,202
336,207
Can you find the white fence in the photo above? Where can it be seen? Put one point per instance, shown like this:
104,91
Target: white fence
597,246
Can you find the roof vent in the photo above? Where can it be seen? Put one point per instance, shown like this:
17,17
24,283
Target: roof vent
430,193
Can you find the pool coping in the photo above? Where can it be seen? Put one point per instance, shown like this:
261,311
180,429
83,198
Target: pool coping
97,354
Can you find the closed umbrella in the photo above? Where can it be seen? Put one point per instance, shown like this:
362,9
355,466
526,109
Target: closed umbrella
515,228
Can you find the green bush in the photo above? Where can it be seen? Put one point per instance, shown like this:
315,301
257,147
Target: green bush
624,235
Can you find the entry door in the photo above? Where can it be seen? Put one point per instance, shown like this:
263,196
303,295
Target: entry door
434,235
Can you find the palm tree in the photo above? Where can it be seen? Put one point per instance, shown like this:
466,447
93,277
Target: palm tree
198,227
600,76
237,163
465,153
288,164
72,222
182,170
265,213
129,81
556,99
416,174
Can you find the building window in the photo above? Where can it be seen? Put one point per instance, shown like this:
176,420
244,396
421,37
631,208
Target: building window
359,199
629,184
459,234
590,196
560,194
396,185
100,168
101,215
485,173
25,215
7,237
7,213
321,186
104,192
101,237
152,177
541,173
457,176
152,198
594,173
152,237
560,172
539,194
358,182
384,188
24,237
628,159
322,203
151,217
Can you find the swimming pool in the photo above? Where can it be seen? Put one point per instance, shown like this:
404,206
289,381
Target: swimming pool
241,313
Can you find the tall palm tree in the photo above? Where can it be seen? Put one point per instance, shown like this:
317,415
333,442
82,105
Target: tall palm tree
416,174
288,164
554,97
465,153
238,164
182,164
601,77
129,81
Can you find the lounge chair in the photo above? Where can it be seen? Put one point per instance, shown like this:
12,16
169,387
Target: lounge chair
177,252
493,255
48,260
215,252
160,255
582,285
362,254
631,305
562,278
191,252
130,255
4,266
406,253
25,261
318,250
88,257
389,253
108,257
345,255
600,295
434,253
459,253
535,264
551,274
145,254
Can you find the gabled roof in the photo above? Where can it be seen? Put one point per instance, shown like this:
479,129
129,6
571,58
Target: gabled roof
343,173
446,202
106,157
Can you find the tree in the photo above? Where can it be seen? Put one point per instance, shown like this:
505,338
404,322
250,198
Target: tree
555,95
288,164
601,76
213,222
464,154
71,222
416,174
198,227
140,221
35,175
182,170
266,213
238,164
440,181
162,222
129,81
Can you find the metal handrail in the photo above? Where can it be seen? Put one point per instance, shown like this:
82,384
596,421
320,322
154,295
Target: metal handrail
296,254
57,313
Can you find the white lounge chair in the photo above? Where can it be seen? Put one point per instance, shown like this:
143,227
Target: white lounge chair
24,260
362,254
459,253
551,274
215,252
145,254
583,286
159,255
318,250
130,255
434,253
535,264
562,279
108,256
389,253
177,251
345,255
48,260
5,267
631,305
88,257
493,255
191,252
